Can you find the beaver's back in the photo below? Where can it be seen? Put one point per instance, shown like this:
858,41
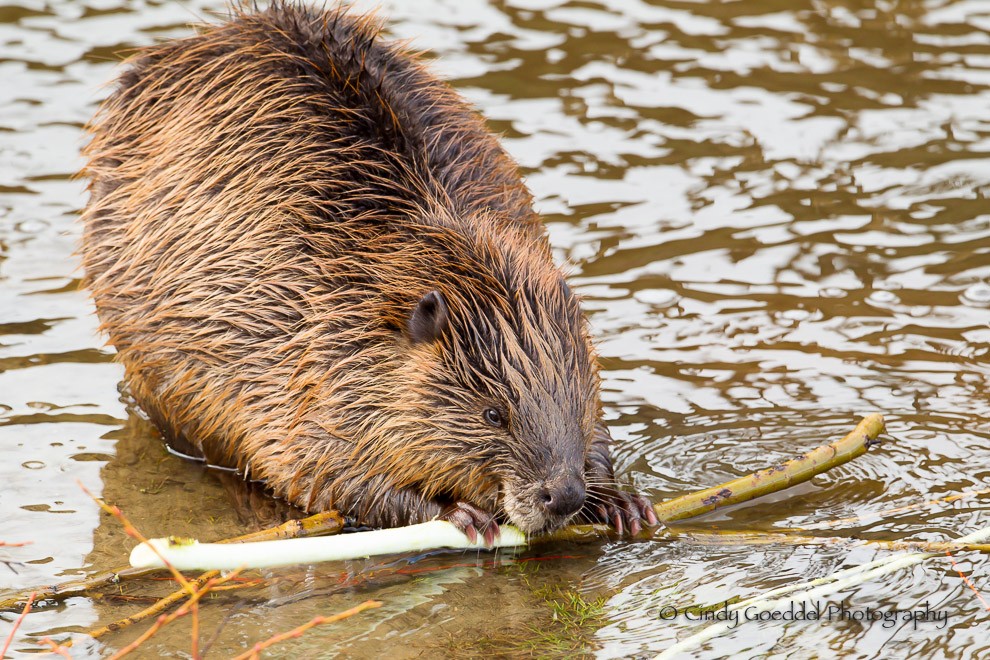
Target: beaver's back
256,222
291,84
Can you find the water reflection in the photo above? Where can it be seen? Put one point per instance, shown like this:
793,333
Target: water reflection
775,212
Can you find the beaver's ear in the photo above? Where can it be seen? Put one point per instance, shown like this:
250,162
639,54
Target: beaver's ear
429,319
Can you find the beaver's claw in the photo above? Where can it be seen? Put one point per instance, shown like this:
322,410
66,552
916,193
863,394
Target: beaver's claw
622,510
471,520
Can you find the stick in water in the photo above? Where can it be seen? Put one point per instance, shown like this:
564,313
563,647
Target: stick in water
775,478
187,554
815,589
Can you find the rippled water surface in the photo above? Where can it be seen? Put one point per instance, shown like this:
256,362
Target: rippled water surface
776,214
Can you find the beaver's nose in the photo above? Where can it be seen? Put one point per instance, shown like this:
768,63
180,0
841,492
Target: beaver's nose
563,497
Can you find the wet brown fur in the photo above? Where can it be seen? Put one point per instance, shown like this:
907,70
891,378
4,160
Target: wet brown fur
269,201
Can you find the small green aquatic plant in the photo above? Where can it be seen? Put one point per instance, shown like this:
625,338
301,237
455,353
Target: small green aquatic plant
562,623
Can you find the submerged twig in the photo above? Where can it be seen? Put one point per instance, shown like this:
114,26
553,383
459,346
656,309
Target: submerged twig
743,537
884,513
156,609
815,589
165,619
256,650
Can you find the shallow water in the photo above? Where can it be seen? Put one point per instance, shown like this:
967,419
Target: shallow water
775,212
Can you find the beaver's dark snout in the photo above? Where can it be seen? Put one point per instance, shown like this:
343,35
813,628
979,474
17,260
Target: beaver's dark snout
563,496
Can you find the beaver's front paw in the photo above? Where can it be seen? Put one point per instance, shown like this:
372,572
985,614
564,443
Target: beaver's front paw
622,510
471,520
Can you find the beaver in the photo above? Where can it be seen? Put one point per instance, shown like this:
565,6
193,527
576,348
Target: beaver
319,267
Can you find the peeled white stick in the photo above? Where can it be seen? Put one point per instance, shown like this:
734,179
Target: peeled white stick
189,554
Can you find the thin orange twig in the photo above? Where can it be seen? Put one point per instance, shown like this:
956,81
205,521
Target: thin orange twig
255,652
194,633
56,648
156,609
165,619
968,582
17,623
133,532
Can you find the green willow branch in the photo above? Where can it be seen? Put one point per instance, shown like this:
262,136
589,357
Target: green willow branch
776,478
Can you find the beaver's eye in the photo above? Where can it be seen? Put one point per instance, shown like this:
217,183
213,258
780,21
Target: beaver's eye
494,417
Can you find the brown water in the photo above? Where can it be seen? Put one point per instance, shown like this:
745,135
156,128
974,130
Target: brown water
776,214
